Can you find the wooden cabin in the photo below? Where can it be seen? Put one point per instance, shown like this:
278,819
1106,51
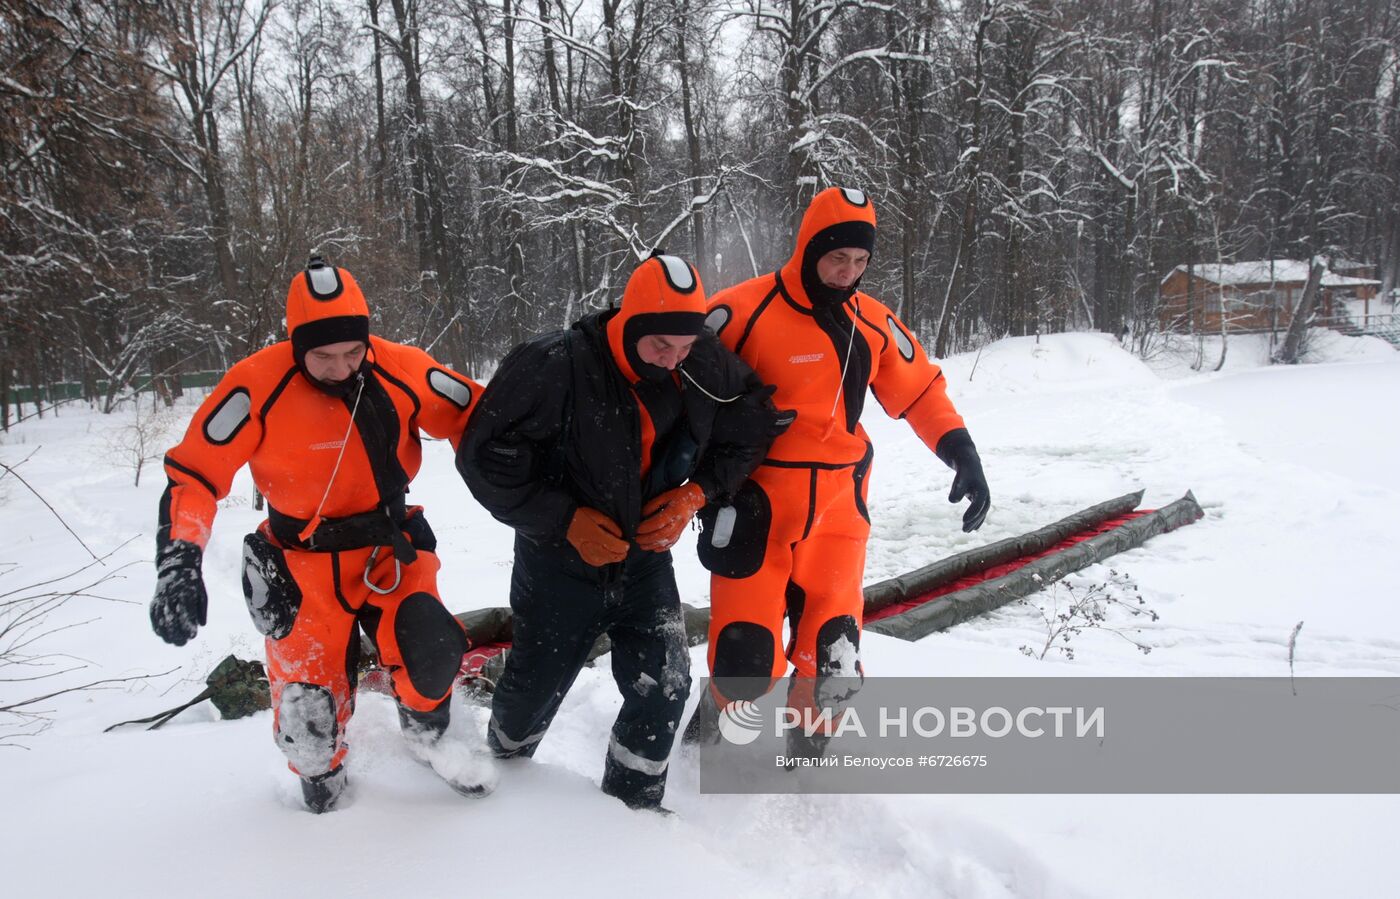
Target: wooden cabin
1254,296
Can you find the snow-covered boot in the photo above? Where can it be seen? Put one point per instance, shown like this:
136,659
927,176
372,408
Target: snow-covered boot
824,700
469,770
800,745
322,792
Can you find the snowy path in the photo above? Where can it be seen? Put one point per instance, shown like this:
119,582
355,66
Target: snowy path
1298,470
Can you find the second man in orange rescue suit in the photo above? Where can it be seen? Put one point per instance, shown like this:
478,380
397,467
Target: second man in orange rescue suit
329,422
793,542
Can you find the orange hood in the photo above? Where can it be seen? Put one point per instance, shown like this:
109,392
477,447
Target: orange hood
325,305
663,296
837,217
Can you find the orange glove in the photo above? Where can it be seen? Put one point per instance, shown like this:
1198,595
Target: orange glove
597,537
667,515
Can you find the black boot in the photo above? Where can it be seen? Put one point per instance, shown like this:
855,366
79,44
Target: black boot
703,728
802,746
323,791
824,698
426,726
636,789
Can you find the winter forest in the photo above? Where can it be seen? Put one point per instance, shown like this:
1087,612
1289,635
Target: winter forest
489,169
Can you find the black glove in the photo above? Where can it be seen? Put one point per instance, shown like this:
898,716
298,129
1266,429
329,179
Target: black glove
957,451
754,418
779,420
782,420
180,605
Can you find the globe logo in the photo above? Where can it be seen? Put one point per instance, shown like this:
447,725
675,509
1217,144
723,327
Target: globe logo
740,722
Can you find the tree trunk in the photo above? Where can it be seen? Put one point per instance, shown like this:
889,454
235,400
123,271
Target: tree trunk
36,381
801,178
621,68
702,260
4,396
381,139
1293,342
220,222
551,72
967,244
961,264
1390,260
908,84
1020,50
515,252
427,211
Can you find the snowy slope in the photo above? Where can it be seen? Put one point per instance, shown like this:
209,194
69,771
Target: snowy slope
1296,468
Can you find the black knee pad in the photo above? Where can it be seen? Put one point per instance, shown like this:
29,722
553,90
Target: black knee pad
306,728
734,546
743,650
431,643
832,651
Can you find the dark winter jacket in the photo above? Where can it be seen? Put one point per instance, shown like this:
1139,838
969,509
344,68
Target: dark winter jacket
558,427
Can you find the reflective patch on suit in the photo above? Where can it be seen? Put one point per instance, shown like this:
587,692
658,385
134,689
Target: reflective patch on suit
324,281
229,417
718,318
306,728
903,342
678,273
724,527
449,388
629,759
508,746
855,197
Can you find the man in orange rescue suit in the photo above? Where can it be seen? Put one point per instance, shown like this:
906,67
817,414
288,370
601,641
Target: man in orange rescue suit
793,542
329,422
597,445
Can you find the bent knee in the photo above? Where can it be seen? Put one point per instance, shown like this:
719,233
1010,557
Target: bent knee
745,654
431,644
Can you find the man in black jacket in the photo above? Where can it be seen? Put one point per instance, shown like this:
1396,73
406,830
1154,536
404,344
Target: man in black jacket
597,445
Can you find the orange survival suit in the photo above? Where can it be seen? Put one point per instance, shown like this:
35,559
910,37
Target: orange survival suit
340,546
793,542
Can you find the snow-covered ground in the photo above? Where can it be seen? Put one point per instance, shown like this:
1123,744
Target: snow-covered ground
1298,470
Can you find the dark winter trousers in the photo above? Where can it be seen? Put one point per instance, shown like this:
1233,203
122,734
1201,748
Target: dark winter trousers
560,607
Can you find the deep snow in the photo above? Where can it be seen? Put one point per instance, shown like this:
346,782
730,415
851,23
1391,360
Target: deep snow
1296,469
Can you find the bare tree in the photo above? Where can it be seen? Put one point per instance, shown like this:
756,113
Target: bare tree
491,168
